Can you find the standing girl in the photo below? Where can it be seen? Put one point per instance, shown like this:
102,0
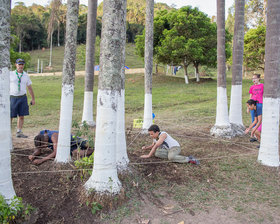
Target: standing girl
256,94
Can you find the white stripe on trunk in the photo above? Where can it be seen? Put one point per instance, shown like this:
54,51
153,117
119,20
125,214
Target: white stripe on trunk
6,183
235,113
186,79
104,177
65,124
88,108
121,151
148,116
269,149
222,118
222,127
197,76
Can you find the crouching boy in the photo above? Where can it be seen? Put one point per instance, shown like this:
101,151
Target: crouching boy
166,147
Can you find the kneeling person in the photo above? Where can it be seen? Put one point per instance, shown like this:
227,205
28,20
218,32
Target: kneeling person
47,138
166,147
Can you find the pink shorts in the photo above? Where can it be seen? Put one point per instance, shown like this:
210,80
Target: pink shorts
260,128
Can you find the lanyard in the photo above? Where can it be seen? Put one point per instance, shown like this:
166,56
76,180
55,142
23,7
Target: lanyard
19,79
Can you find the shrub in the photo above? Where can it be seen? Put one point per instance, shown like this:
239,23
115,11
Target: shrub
10,212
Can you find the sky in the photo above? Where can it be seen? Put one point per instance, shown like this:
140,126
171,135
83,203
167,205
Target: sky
206,6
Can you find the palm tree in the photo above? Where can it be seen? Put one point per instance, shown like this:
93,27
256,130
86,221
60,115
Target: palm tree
90,56
222,127
235,113
149,39
54,17
121,150
269,148
6,182
104,177
68,78
50,35
57,11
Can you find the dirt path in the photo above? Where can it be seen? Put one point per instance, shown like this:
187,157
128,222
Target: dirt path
82,73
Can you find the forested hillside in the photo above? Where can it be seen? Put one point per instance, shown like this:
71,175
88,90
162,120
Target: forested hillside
33,26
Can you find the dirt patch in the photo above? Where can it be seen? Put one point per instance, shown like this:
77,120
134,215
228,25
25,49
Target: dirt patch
155,190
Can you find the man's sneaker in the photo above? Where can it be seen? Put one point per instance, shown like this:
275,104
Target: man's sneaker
193,160
258,146
253,139
21,135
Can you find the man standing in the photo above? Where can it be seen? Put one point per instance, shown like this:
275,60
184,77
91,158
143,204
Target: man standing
19,80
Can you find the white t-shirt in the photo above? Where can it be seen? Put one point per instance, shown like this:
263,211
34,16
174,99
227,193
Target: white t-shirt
25,81
169,142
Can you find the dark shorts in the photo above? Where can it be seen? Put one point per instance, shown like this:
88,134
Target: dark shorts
19,106
78,143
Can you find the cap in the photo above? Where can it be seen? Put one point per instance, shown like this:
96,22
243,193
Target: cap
20,61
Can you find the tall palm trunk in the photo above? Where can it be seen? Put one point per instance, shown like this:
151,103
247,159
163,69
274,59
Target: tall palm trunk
149,39
90,56
19,48
104,177
68,79
269,149
222,126
50,61
6,183
121,150
58,34
235,113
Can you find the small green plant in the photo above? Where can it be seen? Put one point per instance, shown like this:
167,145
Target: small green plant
95,207
85,164
15,210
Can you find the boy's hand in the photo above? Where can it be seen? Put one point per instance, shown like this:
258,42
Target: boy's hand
37,161
144,147
248,110
31,157
145,156
247,131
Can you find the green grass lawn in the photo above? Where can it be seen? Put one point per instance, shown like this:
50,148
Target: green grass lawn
170,95
132,60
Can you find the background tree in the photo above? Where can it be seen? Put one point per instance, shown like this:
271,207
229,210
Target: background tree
68,79
104,178
149,38
90,56
235,113
53,20
254,49
183,37
57,5
22,20
222,127
255,15
269,148
6,183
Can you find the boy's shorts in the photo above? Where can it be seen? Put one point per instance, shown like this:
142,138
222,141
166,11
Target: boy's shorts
19,106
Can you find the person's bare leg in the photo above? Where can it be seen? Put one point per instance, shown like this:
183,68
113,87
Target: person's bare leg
20,122
258,135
